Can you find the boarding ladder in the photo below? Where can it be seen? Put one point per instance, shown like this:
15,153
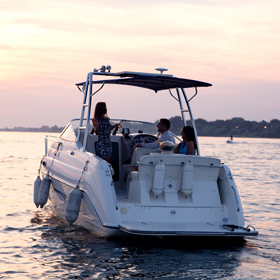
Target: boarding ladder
84,123
187,110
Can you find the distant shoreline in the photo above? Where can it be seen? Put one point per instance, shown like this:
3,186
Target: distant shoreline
52,129
235,137
236,127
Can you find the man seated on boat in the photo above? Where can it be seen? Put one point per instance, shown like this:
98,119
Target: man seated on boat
147,148
163,128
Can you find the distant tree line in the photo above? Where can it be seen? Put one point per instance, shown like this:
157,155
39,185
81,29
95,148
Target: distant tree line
44,128
236,127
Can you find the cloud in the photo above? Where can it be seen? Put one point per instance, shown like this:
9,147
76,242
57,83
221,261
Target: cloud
46,47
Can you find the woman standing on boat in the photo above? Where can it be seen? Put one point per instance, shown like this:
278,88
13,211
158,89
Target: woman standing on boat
102,128
188,146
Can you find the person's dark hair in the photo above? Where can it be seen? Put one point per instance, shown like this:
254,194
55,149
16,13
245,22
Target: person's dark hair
189,133
100,110
165,122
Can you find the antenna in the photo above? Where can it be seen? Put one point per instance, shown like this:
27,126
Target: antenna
103,69
161,70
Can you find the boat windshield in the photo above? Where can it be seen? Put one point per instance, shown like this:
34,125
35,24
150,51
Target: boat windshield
136,126
130,126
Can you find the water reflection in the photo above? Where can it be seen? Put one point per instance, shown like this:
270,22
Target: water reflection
82,254
35,245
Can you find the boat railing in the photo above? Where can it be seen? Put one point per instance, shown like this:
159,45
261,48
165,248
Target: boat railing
51,138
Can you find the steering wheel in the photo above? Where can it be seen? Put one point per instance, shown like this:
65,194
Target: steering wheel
149,139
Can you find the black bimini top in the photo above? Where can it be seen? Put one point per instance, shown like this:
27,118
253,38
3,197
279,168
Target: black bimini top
154,82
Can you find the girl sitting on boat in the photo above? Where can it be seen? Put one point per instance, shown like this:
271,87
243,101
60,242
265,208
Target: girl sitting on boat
188,146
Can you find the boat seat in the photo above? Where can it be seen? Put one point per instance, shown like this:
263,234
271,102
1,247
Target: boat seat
200,179
174,164
178,159
140,152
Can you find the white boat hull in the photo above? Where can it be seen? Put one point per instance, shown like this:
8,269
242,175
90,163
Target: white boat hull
213,207
88,218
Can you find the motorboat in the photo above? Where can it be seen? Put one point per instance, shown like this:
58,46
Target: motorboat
230,140
167,194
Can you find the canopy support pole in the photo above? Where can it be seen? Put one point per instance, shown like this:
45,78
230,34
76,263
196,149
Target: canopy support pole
191,117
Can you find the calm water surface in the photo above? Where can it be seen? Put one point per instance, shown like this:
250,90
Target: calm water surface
36,245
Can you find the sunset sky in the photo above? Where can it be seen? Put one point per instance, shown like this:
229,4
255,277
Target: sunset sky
48,46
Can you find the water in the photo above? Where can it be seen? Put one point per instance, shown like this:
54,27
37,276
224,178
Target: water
36,245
